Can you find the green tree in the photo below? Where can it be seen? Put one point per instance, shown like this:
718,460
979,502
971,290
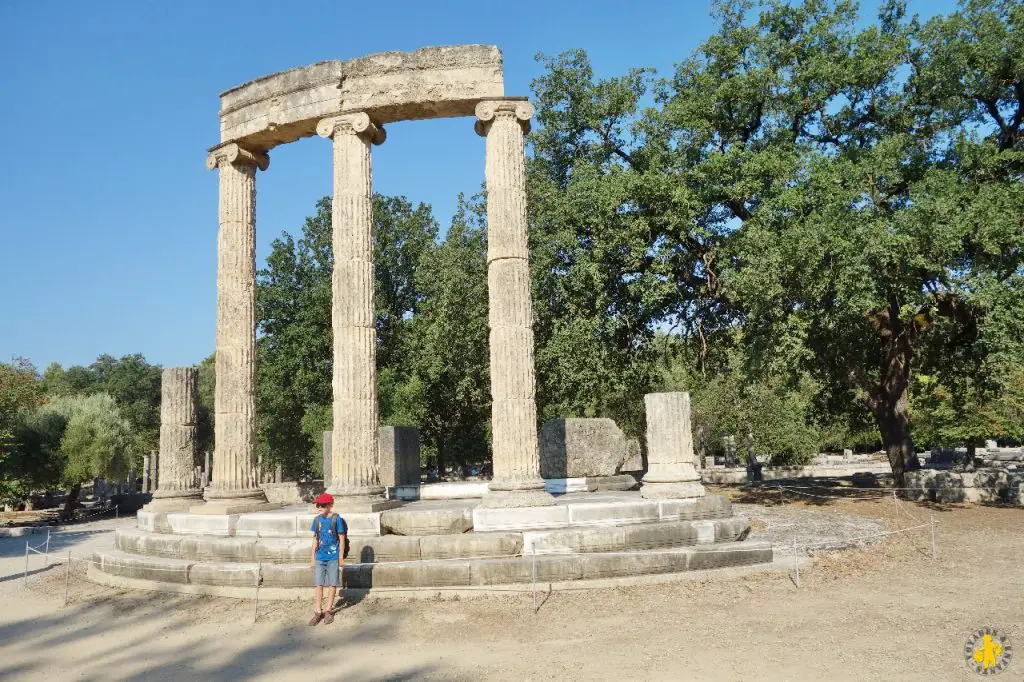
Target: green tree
96,441
446,391
294,311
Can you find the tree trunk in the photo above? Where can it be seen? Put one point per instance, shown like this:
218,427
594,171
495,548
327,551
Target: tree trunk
68,514
440,461
889,398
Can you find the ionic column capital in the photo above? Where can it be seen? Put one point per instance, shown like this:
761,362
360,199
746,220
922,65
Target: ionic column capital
236,155
490,110
353,123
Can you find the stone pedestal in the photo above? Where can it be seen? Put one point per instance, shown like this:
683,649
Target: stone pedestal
399,448
355,476
670,460
233,485
517,480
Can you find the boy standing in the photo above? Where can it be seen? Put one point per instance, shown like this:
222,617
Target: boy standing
326,556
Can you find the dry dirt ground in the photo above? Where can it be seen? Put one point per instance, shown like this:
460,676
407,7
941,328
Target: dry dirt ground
884,611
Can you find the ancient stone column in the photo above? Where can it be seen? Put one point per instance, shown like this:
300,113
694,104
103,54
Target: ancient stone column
517,481
233,478
670,460
145,474
355,481
179,407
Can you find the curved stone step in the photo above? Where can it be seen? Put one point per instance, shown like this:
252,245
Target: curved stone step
436,572
379,549
592,511
394,548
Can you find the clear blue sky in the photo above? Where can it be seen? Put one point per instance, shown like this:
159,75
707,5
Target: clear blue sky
108,217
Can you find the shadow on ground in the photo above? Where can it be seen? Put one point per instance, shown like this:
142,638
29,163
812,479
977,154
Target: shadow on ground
236,650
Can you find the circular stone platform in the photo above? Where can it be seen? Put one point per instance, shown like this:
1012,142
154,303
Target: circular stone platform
434,544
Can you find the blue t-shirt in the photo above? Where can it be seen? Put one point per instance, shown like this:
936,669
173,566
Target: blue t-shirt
329,548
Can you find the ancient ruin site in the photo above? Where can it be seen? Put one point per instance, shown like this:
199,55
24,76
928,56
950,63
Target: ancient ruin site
715,372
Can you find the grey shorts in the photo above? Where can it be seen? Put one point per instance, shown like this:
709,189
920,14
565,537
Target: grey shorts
326,574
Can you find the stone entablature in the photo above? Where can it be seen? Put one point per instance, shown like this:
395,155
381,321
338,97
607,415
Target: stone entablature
433,82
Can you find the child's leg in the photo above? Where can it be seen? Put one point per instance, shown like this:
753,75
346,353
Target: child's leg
318,601
332,592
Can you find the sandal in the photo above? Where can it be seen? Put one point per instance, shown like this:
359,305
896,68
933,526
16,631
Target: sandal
328,617
317,617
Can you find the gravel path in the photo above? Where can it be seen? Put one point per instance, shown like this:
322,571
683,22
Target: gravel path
803,531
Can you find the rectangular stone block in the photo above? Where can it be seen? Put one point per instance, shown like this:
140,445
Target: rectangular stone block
399,448
730,530
154,522
578,448
198,524
549,569
159,544
266,525
127,541
371,550
612,514
560,486
605,539
730,554
427,521
470,545
287,575
519,518
617,565
283,549
232,574
421,574
206,548
705,531
655,535
143,568
361,523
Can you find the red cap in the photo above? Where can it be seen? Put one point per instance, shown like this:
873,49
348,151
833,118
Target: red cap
324,498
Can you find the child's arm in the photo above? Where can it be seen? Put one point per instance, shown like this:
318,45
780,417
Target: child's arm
312,550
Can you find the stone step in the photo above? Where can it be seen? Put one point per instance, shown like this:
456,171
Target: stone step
420,521
393,548
430,573
607,512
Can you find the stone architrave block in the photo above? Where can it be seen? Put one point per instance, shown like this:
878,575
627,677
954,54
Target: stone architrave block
578,448
399,448
634,462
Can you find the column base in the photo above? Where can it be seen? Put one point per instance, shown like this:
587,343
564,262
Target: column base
221,501
174,500
672,491
515,493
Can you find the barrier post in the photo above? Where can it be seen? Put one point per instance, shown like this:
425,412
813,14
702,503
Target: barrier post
67,578
256,602
798,570
934,553
533,572
46,555
25,579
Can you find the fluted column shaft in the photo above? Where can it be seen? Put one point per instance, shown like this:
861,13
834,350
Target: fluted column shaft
510,314
234,399
671,469
354,465
179,403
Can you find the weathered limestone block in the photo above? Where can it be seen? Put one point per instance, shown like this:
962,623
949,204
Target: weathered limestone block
399,448
670,460
634,457
573,448
432,82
